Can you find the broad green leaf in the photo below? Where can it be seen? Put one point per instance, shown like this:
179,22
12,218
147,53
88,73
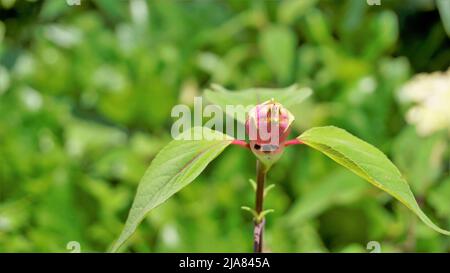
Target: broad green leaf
289,97
173,168
367,162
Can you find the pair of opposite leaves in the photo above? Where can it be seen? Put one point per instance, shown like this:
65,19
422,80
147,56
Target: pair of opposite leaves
181,161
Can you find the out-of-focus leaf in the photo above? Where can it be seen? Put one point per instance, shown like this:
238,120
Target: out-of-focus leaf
278,45
2,31
303,238
58,211
339,187
52,9
82,136
353,16
13,216
367,162
291,10
289,97
422,165
5,79
444,11
353,248
381,221
384,34
175,166
114,9
439,198
7,4
394,71
317,27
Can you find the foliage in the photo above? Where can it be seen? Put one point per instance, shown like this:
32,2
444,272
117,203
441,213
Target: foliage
289,97
367,162
173,168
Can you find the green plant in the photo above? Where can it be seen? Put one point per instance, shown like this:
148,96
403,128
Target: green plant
181,161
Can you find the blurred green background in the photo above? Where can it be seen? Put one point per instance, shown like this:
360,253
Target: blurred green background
86,93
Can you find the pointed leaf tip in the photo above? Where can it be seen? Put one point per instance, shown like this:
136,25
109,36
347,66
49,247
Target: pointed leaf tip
366,161
173,168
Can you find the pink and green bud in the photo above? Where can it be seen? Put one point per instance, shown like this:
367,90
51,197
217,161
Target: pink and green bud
268,126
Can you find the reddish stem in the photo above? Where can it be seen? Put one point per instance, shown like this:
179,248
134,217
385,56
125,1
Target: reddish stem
258,230
293,142
241,143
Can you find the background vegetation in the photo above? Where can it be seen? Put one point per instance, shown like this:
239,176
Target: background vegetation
85,99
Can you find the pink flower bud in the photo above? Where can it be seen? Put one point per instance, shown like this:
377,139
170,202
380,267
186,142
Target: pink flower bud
268,126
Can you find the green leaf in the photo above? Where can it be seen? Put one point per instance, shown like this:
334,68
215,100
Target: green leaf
173,168
367,162
289,97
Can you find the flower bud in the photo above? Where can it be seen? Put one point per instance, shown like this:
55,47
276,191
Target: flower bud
268,126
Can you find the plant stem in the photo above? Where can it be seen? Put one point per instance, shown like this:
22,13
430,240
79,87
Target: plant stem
259,221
